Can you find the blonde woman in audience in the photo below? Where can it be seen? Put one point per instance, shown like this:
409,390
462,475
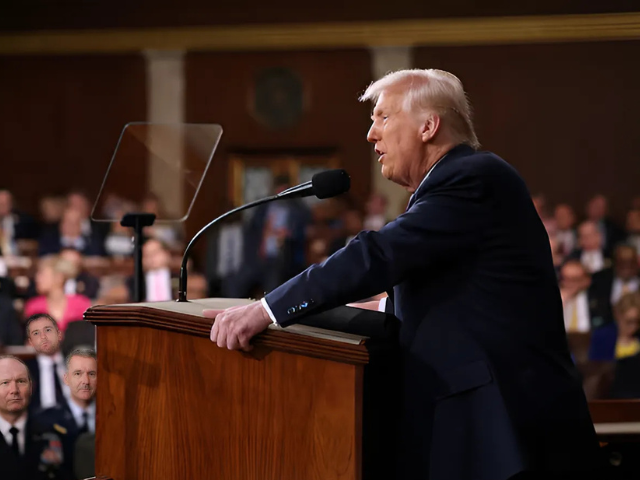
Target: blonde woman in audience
619,340
53,272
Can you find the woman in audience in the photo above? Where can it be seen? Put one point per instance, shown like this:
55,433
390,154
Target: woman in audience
51,276
620,339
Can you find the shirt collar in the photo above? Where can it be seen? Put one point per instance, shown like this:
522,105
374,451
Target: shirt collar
47,361
20,424
78,411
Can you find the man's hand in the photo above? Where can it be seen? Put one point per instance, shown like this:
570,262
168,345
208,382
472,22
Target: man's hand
234,327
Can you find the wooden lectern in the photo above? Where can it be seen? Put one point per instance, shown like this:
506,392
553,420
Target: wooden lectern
306,404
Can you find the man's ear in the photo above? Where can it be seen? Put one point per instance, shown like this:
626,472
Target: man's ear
430,126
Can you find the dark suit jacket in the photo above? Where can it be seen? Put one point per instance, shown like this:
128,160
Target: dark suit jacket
489,385
50,420
50,244
34,370
27,467
600,297
24,226
293,250
11,330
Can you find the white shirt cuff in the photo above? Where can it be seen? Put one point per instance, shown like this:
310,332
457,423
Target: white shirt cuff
269,312
382,306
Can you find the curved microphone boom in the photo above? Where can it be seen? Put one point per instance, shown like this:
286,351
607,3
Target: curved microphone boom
323,185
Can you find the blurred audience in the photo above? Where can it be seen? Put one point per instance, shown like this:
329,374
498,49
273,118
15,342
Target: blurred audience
590,252
574,284
610,284
14,225
619,339
83,283
565,223
633,229
74,231
376,212
158,284
168,233
51,277
597,212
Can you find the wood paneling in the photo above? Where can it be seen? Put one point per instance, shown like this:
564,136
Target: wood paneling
219,89
566,116
61,120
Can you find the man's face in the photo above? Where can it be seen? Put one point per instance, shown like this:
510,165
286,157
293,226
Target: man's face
397,138
626,263
6,203
574,277
15,387
597,208
564,216
82,378
154,257
628,322
44,336
80,203
71,224
589,237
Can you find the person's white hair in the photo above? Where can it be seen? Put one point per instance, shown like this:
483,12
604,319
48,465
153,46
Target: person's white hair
431,91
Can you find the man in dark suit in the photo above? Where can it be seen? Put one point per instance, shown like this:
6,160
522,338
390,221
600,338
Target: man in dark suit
597,211
26,451
607,286
14,225
78,415
71,235
47,368
490,390
274,245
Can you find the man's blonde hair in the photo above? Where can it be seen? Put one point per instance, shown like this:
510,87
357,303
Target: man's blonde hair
431,91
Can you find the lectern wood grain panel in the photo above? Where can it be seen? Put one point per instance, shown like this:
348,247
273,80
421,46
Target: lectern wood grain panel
172,405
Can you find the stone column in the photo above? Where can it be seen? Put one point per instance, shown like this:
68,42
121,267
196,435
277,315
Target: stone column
166,104
384,60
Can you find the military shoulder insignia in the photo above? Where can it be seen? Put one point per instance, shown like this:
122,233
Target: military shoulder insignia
60,429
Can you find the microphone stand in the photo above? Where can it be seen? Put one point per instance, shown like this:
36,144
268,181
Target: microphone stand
182,289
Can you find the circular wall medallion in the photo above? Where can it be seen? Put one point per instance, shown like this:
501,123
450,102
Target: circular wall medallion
278,100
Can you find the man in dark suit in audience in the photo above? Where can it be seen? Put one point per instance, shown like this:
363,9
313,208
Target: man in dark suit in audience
14,225
608,285
597,212
490,389
85,283
26,451
71,235
11,332
79,415
47,368
591,252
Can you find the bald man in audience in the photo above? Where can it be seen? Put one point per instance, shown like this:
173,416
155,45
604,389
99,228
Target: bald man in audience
79,415
590,252
610,284
26,452
574,285
47,368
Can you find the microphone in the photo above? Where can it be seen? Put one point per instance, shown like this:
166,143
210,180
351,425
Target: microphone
323,185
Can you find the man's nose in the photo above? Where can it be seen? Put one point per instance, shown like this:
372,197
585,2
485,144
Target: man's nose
373,134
